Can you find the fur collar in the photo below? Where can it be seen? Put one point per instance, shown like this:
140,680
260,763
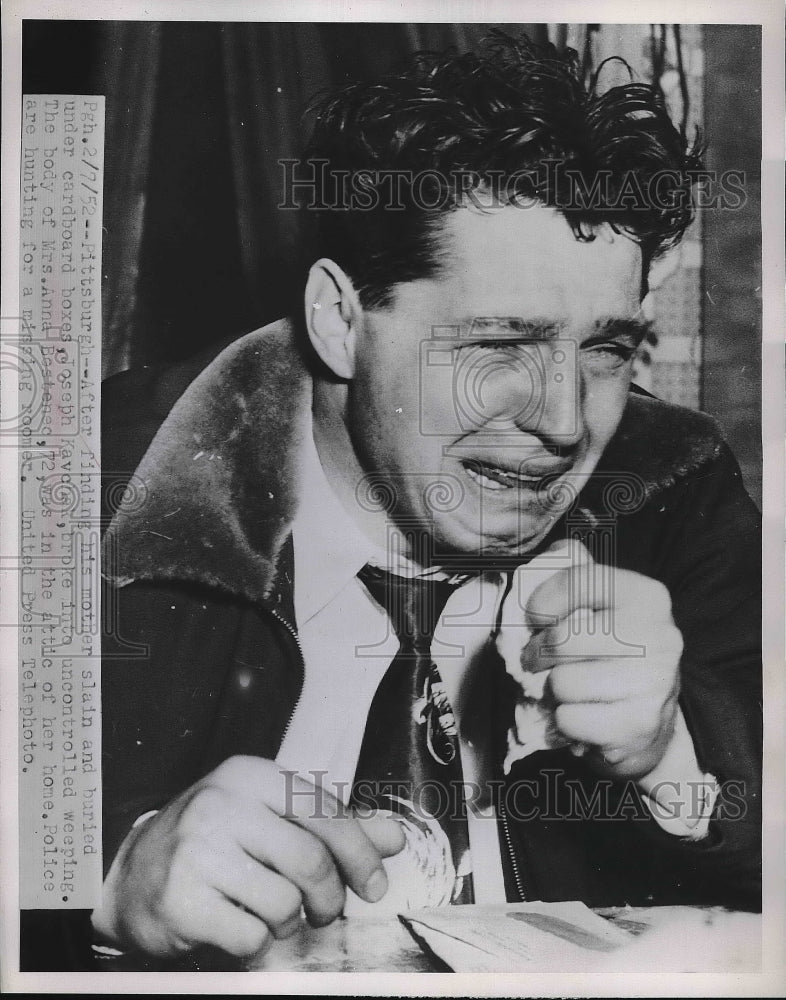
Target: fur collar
214,497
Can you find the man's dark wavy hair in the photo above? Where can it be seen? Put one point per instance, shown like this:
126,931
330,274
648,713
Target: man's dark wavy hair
391,156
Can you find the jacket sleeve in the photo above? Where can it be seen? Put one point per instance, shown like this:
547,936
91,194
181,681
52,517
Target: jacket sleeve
711,563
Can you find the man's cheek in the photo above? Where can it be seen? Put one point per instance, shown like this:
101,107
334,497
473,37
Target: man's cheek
603,411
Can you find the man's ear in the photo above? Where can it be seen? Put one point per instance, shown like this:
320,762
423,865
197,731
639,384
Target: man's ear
333,316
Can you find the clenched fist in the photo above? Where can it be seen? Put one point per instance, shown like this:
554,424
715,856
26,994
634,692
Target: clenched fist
610,641
232,860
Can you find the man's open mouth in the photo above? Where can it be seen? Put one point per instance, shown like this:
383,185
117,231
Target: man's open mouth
496,477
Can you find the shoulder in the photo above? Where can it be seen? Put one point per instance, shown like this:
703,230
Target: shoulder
661,443
214,493
134,404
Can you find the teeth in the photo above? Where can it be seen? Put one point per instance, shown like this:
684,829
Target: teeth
484,481
492,484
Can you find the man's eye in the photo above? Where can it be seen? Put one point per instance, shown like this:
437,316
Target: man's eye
607,356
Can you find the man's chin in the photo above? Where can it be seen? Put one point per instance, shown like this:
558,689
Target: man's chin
453,538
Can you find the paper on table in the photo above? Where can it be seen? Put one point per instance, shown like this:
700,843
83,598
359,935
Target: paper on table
688,939
515,937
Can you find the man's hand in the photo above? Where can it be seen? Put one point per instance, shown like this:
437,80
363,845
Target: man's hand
221,865
621,707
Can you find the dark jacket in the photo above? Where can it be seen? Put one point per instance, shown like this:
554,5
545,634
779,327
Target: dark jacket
201,659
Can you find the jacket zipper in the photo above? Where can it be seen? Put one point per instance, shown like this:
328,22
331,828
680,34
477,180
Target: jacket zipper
293,632
511,853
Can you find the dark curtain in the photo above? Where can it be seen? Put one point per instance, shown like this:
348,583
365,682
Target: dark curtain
119,59
134,50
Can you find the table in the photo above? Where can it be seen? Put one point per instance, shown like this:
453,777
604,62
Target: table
350,944
669,938
666,939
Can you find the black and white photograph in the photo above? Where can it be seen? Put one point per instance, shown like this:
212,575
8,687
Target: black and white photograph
392,464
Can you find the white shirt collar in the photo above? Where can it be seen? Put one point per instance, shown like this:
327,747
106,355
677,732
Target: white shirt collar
330,548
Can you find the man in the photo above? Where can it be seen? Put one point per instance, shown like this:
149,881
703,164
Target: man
451,406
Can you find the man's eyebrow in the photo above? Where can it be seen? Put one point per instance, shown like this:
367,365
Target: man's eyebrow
546,329
513,326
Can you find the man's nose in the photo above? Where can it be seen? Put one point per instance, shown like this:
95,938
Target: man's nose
547,394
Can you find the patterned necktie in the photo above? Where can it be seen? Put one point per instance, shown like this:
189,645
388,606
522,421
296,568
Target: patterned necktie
409,760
